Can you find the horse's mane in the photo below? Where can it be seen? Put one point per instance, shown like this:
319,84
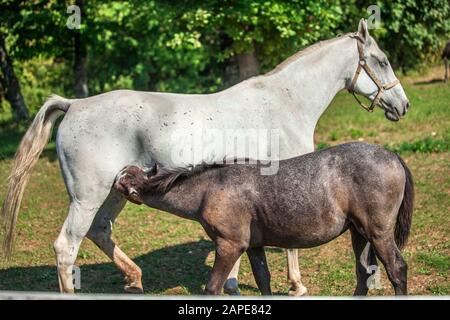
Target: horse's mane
164,179
306,51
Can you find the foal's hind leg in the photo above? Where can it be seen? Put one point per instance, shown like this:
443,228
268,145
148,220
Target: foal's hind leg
260,270
395,265
100,234
365,258
297,288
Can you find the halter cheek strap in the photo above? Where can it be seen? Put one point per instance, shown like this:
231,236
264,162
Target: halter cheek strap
362,64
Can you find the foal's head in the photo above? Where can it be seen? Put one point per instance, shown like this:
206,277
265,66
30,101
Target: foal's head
393,100
133,182
136,182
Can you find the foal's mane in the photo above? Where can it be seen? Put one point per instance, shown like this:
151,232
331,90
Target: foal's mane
306,51
163,180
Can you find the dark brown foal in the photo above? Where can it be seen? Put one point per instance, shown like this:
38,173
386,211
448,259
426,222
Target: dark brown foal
312,200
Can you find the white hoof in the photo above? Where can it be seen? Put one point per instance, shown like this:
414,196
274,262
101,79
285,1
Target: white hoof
301,291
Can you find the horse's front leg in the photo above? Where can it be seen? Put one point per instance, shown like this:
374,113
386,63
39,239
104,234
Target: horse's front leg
227,253
231,286
297,288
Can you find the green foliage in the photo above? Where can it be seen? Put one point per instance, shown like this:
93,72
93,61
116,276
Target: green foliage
186,45
322,145
334,136
413,32
355,133
274,29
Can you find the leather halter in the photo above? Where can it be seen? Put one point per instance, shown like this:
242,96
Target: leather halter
362,64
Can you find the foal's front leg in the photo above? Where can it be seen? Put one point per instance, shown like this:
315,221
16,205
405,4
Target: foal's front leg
297,288
231,286
227,253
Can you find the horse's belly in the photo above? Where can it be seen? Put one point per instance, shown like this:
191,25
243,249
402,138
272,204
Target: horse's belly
307,235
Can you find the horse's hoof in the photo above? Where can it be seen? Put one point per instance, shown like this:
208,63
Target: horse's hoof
232,291
133,289
301,291
231,287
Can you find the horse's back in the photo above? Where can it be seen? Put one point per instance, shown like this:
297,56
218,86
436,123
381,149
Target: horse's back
323,191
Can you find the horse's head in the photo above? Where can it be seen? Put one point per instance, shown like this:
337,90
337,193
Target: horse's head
375,79
132,182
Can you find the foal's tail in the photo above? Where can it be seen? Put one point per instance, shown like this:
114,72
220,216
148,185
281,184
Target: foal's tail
404,217
31,146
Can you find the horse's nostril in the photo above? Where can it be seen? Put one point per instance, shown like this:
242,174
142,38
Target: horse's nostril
406,107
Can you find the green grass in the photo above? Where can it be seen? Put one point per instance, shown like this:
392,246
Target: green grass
435,260
427,145
176,256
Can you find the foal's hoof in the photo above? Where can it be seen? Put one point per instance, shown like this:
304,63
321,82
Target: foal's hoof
300,291
133,289
231,287
232,291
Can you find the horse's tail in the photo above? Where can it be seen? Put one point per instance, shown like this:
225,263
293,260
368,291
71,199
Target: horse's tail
30,148
404,217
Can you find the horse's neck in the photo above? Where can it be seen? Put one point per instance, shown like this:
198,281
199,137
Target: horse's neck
316,77
183,199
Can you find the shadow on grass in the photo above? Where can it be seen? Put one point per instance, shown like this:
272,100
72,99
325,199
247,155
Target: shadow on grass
179,269
432,81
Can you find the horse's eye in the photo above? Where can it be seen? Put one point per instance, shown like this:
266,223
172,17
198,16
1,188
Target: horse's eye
382,63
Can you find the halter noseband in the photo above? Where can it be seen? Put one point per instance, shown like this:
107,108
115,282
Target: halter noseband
362,64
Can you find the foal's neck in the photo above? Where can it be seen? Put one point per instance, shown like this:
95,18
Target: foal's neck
316,77
183,199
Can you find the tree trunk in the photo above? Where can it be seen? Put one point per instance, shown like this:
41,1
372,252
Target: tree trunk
446,68
11,85
80,59
248,65
2,94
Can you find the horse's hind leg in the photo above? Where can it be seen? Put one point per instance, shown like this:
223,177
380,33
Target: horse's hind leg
75,228
365,262
100,234
260,270
294,277
395,265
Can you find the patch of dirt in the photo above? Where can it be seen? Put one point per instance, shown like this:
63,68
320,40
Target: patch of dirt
433,75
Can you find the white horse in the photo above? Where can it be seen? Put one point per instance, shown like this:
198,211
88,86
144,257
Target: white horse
102,134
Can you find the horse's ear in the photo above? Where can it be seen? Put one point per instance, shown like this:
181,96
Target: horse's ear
151,171
363,30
